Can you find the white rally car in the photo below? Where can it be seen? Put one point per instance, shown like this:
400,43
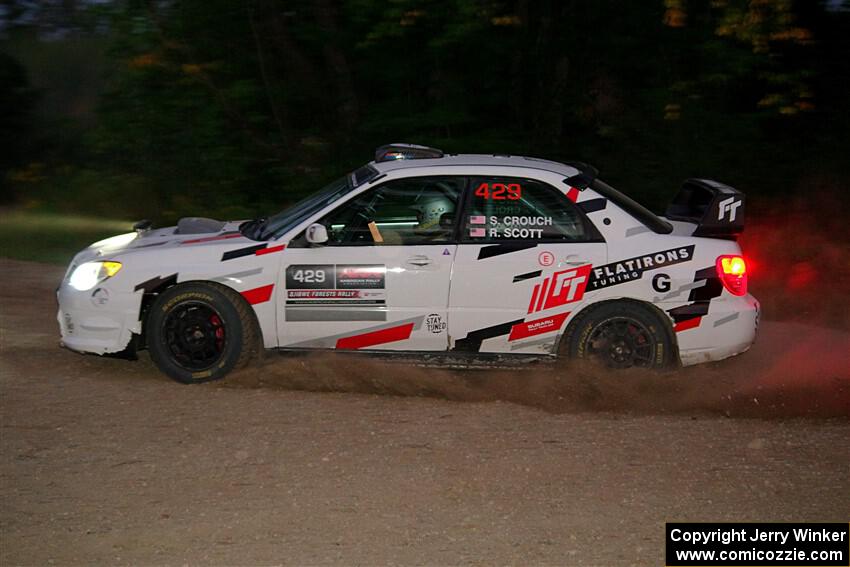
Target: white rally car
420,252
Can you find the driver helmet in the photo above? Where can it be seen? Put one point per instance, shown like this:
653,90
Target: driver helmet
430,208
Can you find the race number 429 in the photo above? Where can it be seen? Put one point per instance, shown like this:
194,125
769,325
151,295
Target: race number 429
499,191
309,276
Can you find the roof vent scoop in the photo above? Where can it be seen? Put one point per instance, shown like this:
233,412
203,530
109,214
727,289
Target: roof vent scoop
142,226
393,152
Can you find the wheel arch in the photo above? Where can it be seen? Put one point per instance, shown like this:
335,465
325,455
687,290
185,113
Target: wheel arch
150,296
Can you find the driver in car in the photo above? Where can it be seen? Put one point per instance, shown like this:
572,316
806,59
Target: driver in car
434,216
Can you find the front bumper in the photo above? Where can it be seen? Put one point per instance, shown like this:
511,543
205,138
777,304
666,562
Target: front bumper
100,320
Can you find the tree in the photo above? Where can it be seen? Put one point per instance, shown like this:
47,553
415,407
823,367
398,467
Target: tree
17,100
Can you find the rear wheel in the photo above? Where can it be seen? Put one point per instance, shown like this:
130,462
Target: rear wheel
620,335
197,332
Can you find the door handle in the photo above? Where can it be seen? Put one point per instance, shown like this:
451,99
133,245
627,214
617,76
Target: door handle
419,261
573,260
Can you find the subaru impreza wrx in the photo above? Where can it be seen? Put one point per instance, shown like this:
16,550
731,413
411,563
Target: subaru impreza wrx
462,256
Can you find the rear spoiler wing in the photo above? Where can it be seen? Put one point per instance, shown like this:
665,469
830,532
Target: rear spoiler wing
716,209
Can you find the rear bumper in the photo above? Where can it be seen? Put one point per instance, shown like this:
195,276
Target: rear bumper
99,321
729,328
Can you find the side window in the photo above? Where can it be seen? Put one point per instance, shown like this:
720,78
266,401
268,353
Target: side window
502,208
418,210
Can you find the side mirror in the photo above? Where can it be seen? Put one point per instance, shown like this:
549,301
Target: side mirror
317,234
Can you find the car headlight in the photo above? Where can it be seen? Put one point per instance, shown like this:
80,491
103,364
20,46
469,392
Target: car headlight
88,275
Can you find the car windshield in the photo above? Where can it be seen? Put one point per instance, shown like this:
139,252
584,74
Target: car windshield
288,218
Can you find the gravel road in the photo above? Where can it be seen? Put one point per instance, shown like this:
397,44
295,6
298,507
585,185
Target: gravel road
337,460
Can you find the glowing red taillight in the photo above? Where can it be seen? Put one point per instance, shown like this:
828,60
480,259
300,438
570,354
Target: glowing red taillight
732,271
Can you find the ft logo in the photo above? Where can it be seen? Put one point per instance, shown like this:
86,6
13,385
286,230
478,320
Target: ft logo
729,205
559,289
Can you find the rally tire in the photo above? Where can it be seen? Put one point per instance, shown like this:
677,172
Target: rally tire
618,335
199,331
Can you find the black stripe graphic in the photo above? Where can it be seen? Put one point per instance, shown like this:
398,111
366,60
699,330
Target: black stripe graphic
712,288
499,249
593,205
154,284
689,311
700,297
472,341
242,252
528,276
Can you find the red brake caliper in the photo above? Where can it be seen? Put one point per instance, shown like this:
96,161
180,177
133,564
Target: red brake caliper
219,331
640,339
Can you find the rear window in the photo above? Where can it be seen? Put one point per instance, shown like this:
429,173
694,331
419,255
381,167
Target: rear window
635,209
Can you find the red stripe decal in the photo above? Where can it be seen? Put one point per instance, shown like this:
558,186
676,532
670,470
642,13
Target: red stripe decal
688,324
572,194
212,238
542,296
537,326
533,298
365,340
258,294
262,251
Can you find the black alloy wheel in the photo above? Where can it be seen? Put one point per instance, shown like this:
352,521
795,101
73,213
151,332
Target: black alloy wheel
620,334
622,342
195,335
200,331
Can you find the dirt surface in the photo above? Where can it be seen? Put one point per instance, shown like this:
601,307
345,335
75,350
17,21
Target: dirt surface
107,461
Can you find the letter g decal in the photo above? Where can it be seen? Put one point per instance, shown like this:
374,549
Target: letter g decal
661,283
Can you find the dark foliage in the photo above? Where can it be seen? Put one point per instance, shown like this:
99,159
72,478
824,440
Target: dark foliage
235,108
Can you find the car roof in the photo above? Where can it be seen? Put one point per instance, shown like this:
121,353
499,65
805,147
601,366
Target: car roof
483,160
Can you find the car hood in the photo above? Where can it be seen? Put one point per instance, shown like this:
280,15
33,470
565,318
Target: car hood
162,238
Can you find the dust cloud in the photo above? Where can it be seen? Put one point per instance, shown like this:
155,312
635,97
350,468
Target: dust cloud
793,371
798,256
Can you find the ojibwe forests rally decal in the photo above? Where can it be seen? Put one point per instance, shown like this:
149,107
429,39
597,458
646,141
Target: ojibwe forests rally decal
335,283
568,286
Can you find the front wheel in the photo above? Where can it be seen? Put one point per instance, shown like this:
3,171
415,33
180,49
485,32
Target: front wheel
197,332
620,335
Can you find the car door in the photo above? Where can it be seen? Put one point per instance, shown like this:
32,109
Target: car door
524,257
381,282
